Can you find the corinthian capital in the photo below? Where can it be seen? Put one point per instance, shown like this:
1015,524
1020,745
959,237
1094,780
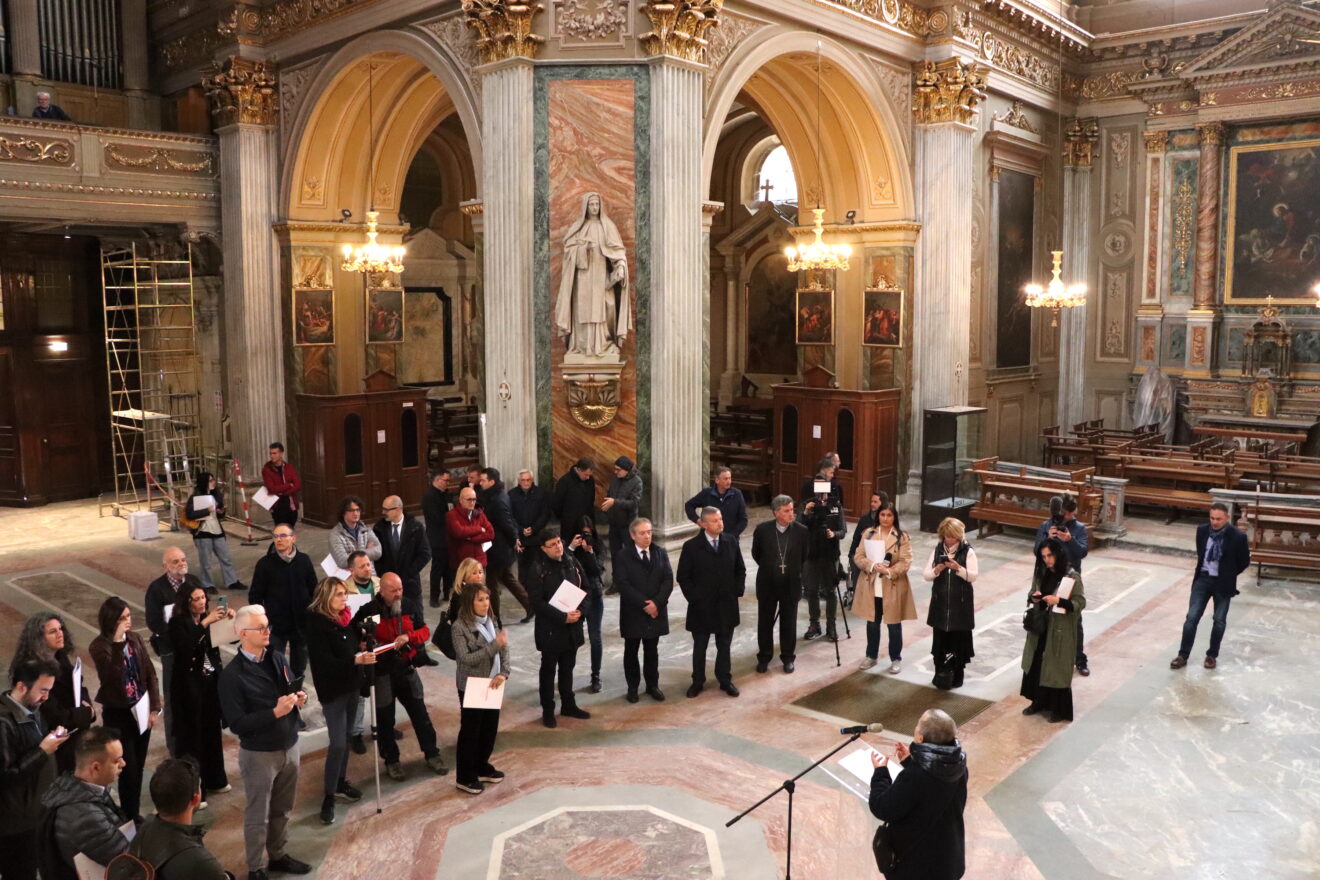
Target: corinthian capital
1212,133
948,91
679,28
504,30
242,90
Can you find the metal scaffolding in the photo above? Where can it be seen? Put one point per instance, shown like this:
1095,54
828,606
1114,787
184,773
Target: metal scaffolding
152,380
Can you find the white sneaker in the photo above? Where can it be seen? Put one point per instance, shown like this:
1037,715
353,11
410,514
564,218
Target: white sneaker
202,806
225,790
867,663
894,668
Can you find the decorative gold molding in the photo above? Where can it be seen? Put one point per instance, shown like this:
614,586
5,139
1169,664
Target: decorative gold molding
328,226
242,91
679,28
1212,133
948,91
86,189
504,30
1015,117
190,50
1112,84
1156,141
1079,140
141,158
36,151
473,207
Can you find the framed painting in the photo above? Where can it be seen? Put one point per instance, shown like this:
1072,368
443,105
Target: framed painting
1272,239
385,315
815,317
882,318
313,317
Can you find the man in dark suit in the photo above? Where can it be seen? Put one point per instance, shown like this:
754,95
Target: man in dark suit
1222,553
575,496
435,504
712,576
500,558
161,594
558,632
404,550
645,580
779,549
530,505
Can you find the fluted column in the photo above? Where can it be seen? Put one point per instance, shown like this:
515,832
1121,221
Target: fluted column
1078,158
243,102
947,93
133,49
508,212
1207,215
680,302
24,36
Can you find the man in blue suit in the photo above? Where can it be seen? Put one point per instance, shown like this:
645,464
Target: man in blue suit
1221,555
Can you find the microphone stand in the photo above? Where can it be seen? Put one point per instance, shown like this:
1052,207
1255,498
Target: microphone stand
789,785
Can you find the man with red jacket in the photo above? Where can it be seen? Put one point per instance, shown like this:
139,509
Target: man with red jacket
392,618
282,481
467,529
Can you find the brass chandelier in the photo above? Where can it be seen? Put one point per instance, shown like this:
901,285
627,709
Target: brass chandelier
372,257
818,255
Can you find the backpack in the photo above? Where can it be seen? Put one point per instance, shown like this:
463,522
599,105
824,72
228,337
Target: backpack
127,866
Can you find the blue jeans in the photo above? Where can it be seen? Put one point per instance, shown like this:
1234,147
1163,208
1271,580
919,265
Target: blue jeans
338,720
593,608
1202,593
873,636
219,548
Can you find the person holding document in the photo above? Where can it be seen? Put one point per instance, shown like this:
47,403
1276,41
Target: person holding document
129,694
194,686
1055,600
557,588
280,479
81,816
481,650
45,637
334,646
206,507
884,555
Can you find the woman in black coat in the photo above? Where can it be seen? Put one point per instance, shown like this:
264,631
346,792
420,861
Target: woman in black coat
952,569
644,588
923,807
45,637
194,685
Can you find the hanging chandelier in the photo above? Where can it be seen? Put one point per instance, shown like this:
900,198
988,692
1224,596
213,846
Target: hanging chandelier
1056,295
372,257
818,255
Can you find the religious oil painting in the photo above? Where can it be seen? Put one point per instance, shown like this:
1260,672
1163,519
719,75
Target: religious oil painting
1273,235
882,318
770,293
1017,213
815,317
313,317
385,314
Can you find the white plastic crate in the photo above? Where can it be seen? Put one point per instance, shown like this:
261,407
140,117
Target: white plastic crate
144,525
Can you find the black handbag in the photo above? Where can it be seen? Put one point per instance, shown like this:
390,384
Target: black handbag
1036,618
443,637
882,847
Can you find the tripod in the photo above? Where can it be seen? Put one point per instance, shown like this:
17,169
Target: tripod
839,576
789,785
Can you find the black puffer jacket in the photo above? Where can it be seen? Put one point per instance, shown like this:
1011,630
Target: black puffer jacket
85,820
924,810
952,600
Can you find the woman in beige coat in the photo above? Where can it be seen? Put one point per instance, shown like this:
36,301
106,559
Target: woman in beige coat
894,600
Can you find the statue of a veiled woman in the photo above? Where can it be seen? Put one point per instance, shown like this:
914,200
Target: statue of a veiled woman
593,309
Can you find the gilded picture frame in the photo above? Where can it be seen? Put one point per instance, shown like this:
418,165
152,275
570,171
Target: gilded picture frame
384,317
313,317
814,317
882,318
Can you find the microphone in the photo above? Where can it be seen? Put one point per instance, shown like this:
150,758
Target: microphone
877,727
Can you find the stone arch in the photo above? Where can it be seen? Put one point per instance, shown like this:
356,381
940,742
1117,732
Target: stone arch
869,169
416,85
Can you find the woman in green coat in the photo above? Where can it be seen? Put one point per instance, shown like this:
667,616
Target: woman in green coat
1047,660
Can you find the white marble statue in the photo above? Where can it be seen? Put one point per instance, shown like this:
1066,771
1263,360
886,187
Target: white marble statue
593,310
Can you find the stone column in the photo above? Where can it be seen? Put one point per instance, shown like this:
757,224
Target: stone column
245,105
143,111
1080,139
1207,215
24,37
947,94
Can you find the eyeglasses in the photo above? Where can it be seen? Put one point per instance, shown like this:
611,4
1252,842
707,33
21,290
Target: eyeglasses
353,510
281,537
388,509
256,629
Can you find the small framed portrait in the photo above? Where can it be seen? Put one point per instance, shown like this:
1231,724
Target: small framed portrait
313,317
385,314
815,317
882,318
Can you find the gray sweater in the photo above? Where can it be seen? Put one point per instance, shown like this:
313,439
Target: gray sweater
473,655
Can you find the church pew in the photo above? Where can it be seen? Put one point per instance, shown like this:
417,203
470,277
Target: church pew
1287,537
1174,484
1023,499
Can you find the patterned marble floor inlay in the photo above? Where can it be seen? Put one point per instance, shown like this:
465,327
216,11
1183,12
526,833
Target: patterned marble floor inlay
863,699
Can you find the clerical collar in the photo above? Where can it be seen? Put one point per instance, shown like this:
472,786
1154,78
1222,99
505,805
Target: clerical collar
781,529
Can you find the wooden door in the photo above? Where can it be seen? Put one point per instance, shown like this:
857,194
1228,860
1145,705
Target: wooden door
67,435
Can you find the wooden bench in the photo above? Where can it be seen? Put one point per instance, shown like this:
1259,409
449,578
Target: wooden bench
1023,499
1174,484
742,440
1287,537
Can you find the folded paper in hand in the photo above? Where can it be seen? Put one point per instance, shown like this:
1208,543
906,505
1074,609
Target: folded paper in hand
203,502
875,551
568,597
858,763
223,631
332,569
356,601
1065,592
264,498
821,487
478,694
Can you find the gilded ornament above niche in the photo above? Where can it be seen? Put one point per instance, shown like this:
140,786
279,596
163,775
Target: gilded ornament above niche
504,30
242,91
1079,140
948,91
679,28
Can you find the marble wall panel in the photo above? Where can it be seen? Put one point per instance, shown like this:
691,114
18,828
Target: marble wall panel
1181,226
1175,346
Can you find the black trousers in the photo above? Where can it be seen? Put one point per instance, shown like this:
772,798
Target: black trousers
441,576
406,688
561,662
197,728
476,740
723,665
650,666
506,576
18,855
766,607
1081,653
818,579
282,515
135,758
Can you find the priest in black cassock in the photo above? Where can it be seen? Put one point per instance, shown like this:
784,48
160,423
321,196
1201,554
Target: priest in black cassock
779,549
713,577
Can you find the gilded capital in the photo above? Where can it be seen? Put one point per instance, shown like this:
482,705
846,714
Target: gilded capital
679,28
1079,140
242,90
1212,133
504,30
948,91
1157,141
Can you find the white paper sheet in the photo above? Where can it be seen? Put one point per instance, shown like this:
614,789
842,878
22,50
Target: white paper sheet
381,649
568,597
1064,592
485,548
332,569
142,712
87,869
77,681
478,694
875,551
264,498
821,487
858,763
129,830
204,502
223,631
356,601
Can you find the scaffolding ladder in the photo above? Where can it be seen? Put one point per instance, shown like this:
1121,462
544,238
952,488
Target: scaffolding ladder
152,380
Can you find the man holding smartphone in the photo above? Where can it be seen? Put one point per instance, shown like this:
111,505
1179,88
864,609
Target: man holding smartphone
27,764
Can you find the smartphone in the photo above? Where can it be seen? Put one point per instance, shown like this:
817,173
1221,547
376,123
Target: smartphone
223,602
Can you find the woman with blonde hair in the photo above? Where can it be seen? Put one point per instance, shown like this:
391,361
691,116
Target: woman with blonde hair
952,570
469,571
334,647
893,600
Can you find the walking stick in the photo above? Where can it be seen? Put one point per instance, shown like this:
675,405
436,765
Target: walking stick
375,740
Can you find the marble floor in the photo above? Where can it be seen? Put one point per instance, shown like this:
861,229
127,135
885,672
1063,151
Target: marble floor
1169,774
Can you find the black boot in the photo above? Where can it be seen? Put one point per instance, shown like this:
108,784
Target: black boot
958,674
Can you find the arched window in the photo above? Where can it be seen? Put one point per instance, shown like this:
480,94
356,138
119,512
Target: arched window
776,171
789,431
408,437
353,444
843,432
